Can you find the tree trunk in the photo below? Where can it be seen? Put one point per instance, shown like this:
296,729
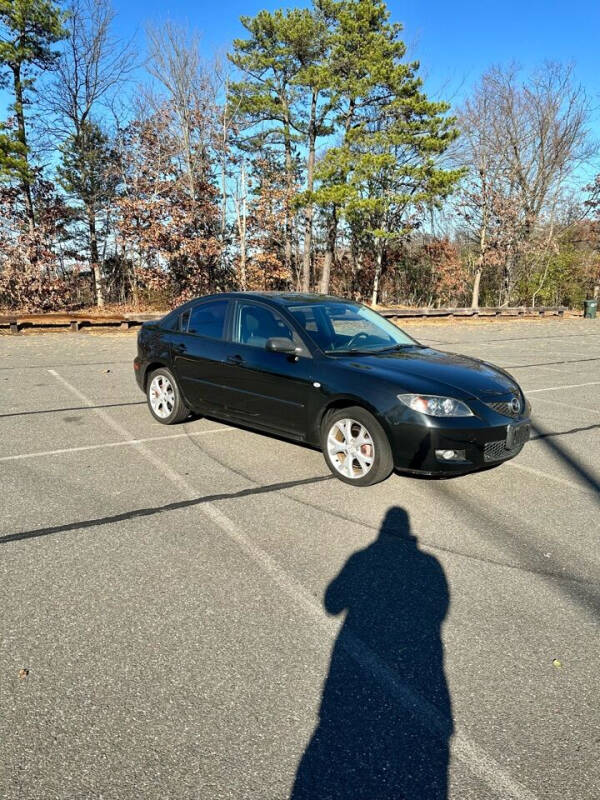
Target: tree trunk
482,249
96,270
476,282
243,266
332,222
289,187
547,266
310,179
134,288
22,137
224,143
188,156
377,276
223,200
240,200
507,273
329,251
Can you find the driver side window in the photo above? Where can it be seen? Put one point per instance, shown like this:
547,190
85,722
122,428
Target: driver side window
256,324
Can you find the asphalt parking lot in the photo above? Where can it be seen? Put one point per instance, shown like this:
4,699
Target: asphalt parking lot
201,612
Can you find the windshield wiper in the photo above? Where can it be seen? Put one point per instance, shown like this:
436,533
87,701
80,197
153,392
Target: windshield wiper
357,351
352,352
397,346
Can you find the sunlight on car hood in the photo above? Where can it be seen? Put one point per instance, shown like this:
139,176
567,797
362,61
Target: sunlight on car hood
469,376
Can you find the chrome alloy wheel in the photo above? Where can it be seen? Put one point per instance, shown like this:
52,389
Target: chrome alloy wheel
350,448
162,396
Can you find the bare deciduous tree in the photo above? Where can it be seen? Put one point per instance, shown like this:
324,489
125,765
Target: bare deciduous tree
93,64
192,87
522,142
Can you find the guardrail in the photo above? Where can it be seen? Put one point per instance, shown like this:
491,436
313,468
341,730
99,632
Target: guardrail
500,311
75,321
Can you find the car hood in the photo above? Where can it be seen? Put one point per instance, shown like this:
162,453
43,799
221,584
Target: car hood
423,369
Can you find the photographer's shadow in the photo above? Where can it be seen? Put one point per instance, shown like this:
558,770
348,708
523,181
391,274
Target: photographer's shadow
372,741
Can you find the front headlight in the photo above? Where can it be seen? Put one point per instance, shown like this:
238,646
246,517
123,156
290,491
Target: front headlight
436,406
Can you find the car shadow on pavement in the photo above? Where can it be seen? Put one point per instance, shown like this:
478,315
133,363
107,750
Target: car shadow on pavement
574,464
385,718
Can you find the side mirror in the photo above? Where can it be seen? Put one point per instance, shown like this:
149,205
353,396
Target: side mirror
281,345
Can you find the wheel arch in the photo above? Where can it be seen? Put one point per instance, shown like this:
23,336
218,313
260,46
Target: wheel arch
150,369
347,401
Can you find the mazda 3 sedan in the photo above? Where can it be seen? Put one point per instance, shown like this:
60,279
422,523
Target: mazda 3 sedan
333,374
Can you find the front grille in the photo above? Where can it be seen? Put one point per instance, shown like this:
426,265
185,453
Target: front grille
505,408
497,451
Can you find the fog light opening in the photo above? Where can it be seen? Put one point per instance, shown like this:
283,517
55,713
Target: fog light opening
450,455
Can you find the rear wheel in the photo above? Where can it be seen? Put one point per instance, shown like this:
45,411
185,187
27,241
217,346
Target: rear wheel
164,398
355,446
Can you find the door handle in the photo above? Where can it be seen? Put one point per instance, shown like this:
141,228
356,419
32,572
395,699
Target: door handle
237,360
179,348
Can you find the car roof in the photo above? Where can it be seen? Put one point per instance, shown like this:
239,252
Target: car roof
274,298
281,298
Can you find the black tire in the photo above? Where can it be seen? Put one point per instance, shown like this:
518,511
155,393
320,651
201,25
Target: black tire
175,406
382,462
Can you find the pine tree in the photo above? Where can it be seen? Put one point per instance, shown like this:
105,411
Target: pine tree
283,101
385,172
28,29
89,172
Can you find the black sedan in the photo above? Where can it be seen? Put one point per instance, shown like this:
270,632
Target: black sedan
334,374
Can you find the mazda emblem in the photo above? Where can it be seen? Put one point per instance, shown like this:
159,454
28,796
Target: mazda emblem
515,405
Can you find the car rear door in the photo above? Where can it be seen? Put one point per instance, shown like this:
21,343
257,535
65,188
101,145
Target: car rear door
200,349
271,389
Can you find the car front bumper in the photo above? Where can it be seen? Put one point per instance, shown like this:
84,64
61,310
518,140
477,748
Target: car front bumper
414,447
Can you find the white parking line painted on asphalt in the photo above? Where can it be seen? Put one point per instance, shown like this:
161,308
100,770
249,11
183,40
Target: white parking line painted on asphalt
471,754
544,367
557,388
126,443
538,473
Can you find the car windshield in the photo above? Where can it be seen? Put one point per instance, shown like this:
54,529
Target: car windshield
338,327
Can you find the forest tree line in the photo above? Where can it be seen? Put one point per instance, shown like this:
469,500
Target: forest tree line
309,158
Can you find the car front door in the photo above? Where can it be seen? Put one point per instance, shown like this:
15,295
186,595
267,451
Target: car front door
200,349
271,389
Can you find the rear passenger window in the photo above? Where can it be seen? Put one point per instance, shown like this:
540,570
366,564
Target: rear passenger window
208,319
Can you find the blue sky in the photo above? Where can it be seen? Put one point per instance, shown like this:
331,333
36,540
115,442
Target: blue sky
455,41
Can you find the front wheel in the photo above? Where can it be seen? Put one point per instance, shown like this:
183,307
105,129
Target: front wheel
164,398
355,446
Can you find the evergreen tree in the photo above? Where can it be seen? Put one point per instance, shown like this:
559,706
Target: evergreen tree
281,98
28,29
385,173
362,43
89,173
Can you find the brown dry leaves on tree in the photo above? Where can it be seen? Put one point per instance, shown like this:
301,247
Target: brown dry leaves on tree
266,266
168,219
31,273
